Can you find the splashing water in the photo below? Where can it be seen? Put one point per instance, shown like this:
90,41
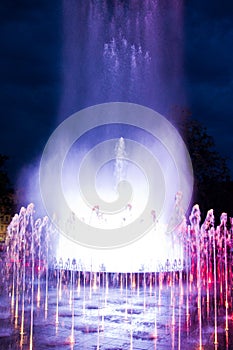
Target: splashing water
120,164
193,302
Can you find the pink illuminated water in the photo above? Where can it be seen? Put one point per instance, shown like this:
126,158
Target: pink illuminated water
189,307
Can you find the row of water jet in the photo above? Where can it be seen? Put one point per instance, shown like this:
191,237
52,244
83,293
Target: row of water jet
197,291
26,262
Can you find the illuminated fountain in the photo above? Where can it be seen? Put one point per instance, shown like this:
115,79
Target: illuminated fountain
48,303
64,295
169,288
159,248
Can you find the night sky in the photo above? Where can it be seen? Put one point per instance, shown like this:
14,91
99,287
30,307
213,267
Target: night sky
32,74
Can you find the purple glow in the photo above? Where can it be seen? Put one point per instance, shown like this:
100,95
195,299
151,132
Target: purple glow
120,52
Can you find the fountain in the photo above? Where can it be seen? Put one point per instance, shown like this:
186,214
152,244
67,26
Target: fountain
61,294
45,302
164,284
168,285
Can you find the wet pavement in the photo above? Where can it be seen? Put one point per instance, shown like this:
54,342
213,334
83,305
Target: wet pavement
109,319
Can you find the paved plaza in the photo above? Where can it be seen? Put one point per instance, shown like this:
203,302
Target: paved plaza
108,319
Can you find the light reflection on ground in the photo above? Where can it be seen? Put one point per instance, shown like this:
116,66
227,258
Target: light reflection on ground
145,318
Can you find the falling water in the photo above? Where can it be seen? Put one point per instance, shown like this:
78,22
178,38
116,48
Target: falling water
122,51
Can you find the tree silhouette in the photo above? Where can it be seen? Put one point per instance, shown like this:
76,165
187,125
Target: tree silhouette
6,191
212,186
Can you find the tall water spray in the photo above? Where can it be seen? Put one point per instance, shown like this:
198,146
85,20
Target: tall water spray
120,163
122,51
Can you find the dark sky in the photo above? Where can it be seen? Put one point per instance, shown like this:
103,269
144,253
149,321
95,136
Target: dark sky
209,69
29,78
32,73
